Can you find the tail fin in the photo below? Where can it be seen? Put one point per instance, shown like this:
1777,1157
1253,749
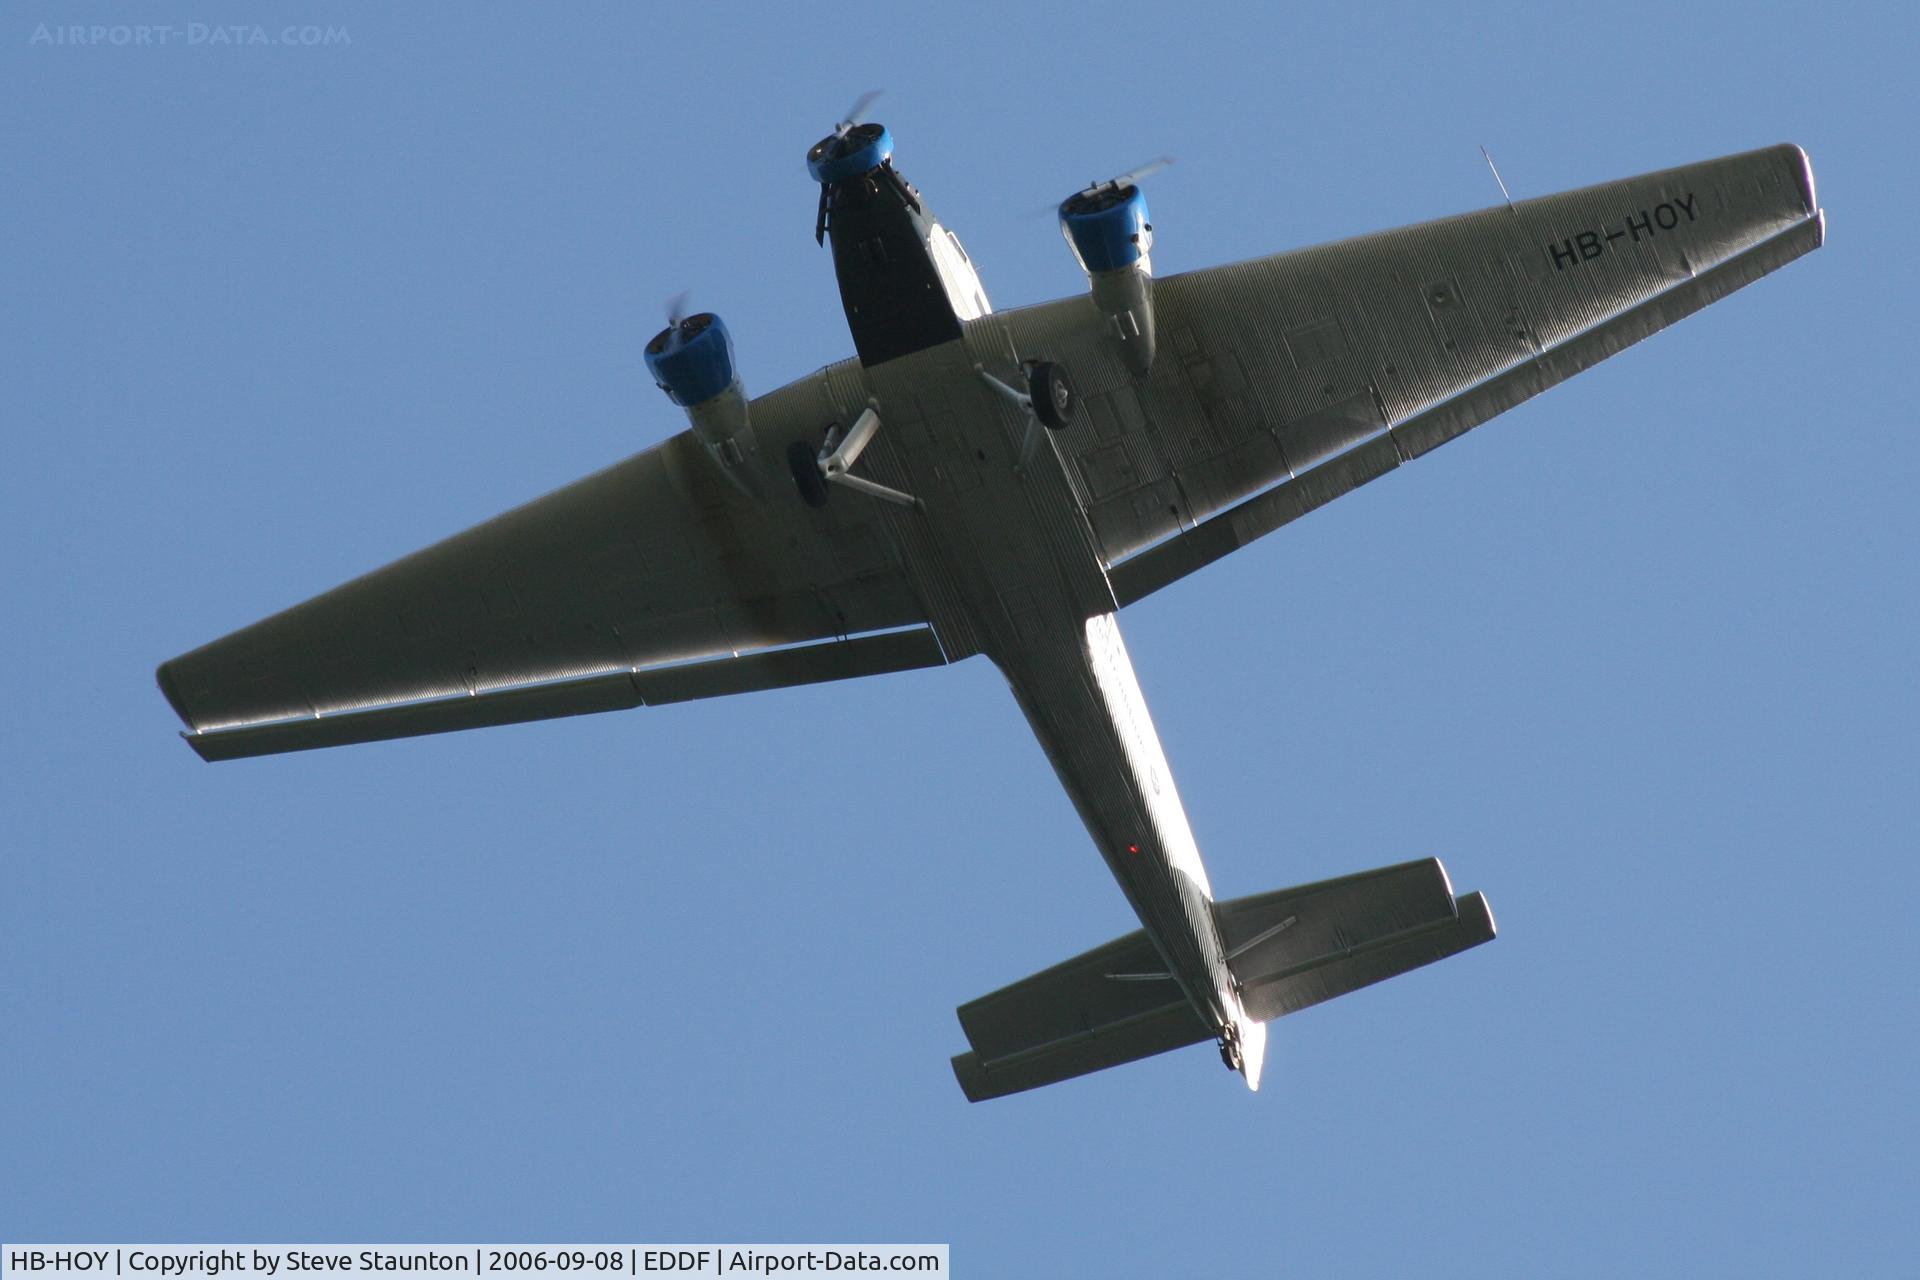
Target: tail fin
1287,950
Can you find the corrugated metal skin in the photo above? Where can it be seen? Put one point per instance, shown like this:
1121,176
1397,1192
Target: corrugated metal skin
1312,371
909,393
1005,564
656,559
1142,574
1297,947
872,654
1075,701
1265,367
1269,365
1037,1013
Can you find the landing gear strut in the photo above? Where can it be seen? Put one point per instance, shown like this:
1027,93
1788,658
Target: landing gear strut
813,472
1048,401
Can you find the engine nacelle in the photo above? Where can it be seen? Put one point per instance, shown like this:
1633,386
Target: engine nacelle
849,152
692,361
1106,227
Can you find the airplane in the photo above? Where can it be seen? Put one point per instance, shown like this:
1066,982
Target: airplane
990,483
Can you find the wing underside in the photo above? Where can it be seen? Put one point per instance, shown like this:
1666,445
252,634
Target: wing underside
1284,382
652,581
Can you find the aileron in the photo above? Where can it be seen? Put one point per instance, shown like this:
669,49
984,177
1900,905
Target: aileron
867,655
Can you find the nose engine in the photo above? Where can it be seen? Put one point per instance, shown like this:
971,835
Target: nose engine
692,361
905,282
849,152
1106,226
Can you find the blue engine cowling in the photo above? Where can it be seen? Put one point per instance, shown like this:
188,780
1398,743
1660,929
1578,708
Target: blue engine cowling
840,156
1107,227
692,360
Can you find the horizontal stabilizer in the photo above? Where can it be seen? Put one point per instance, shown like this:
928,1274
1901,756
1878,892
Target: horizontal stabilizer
1296,947
1113,1004
1287,950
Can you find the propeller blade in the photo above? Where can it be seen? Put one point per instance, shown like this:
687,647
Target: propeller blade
1132,177
857,113
677,308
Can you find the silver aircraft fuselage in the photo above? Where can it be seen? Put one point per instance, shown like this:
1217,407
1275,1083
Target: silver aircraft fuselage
988,516
1007,565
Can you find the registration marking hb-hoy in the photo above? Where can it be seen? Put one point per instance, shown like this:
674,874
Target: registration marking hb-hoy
1665,216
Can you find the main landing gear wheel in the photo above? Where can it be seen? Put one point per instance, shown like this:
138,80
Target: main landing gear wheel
1053,397
805,462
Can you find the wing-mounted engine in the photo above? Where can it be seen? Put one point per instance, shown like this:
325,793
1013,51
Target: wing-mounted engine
692,361
1106,226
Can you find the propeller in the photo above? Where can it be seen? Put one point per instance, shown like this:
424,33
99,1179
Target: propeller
853,142
857,113
677,332
837,145
1131,178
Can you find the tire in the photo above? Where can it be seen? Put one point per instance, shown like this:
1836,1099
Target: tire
1053,396
804,461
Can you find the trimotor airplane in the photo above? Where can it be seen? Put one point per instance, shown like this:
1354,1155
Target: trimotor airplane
1003,483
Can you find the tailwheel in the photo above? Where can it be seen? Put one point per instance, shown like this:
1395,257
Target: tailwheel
805,463
1230,1049
1053,396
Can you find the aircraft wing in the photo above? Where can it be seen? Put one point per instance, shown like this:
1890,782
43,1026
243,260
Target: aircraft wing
652,581
1283,382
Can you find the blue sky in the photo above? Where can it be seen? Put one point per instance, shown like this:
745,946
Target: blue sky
1634,659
